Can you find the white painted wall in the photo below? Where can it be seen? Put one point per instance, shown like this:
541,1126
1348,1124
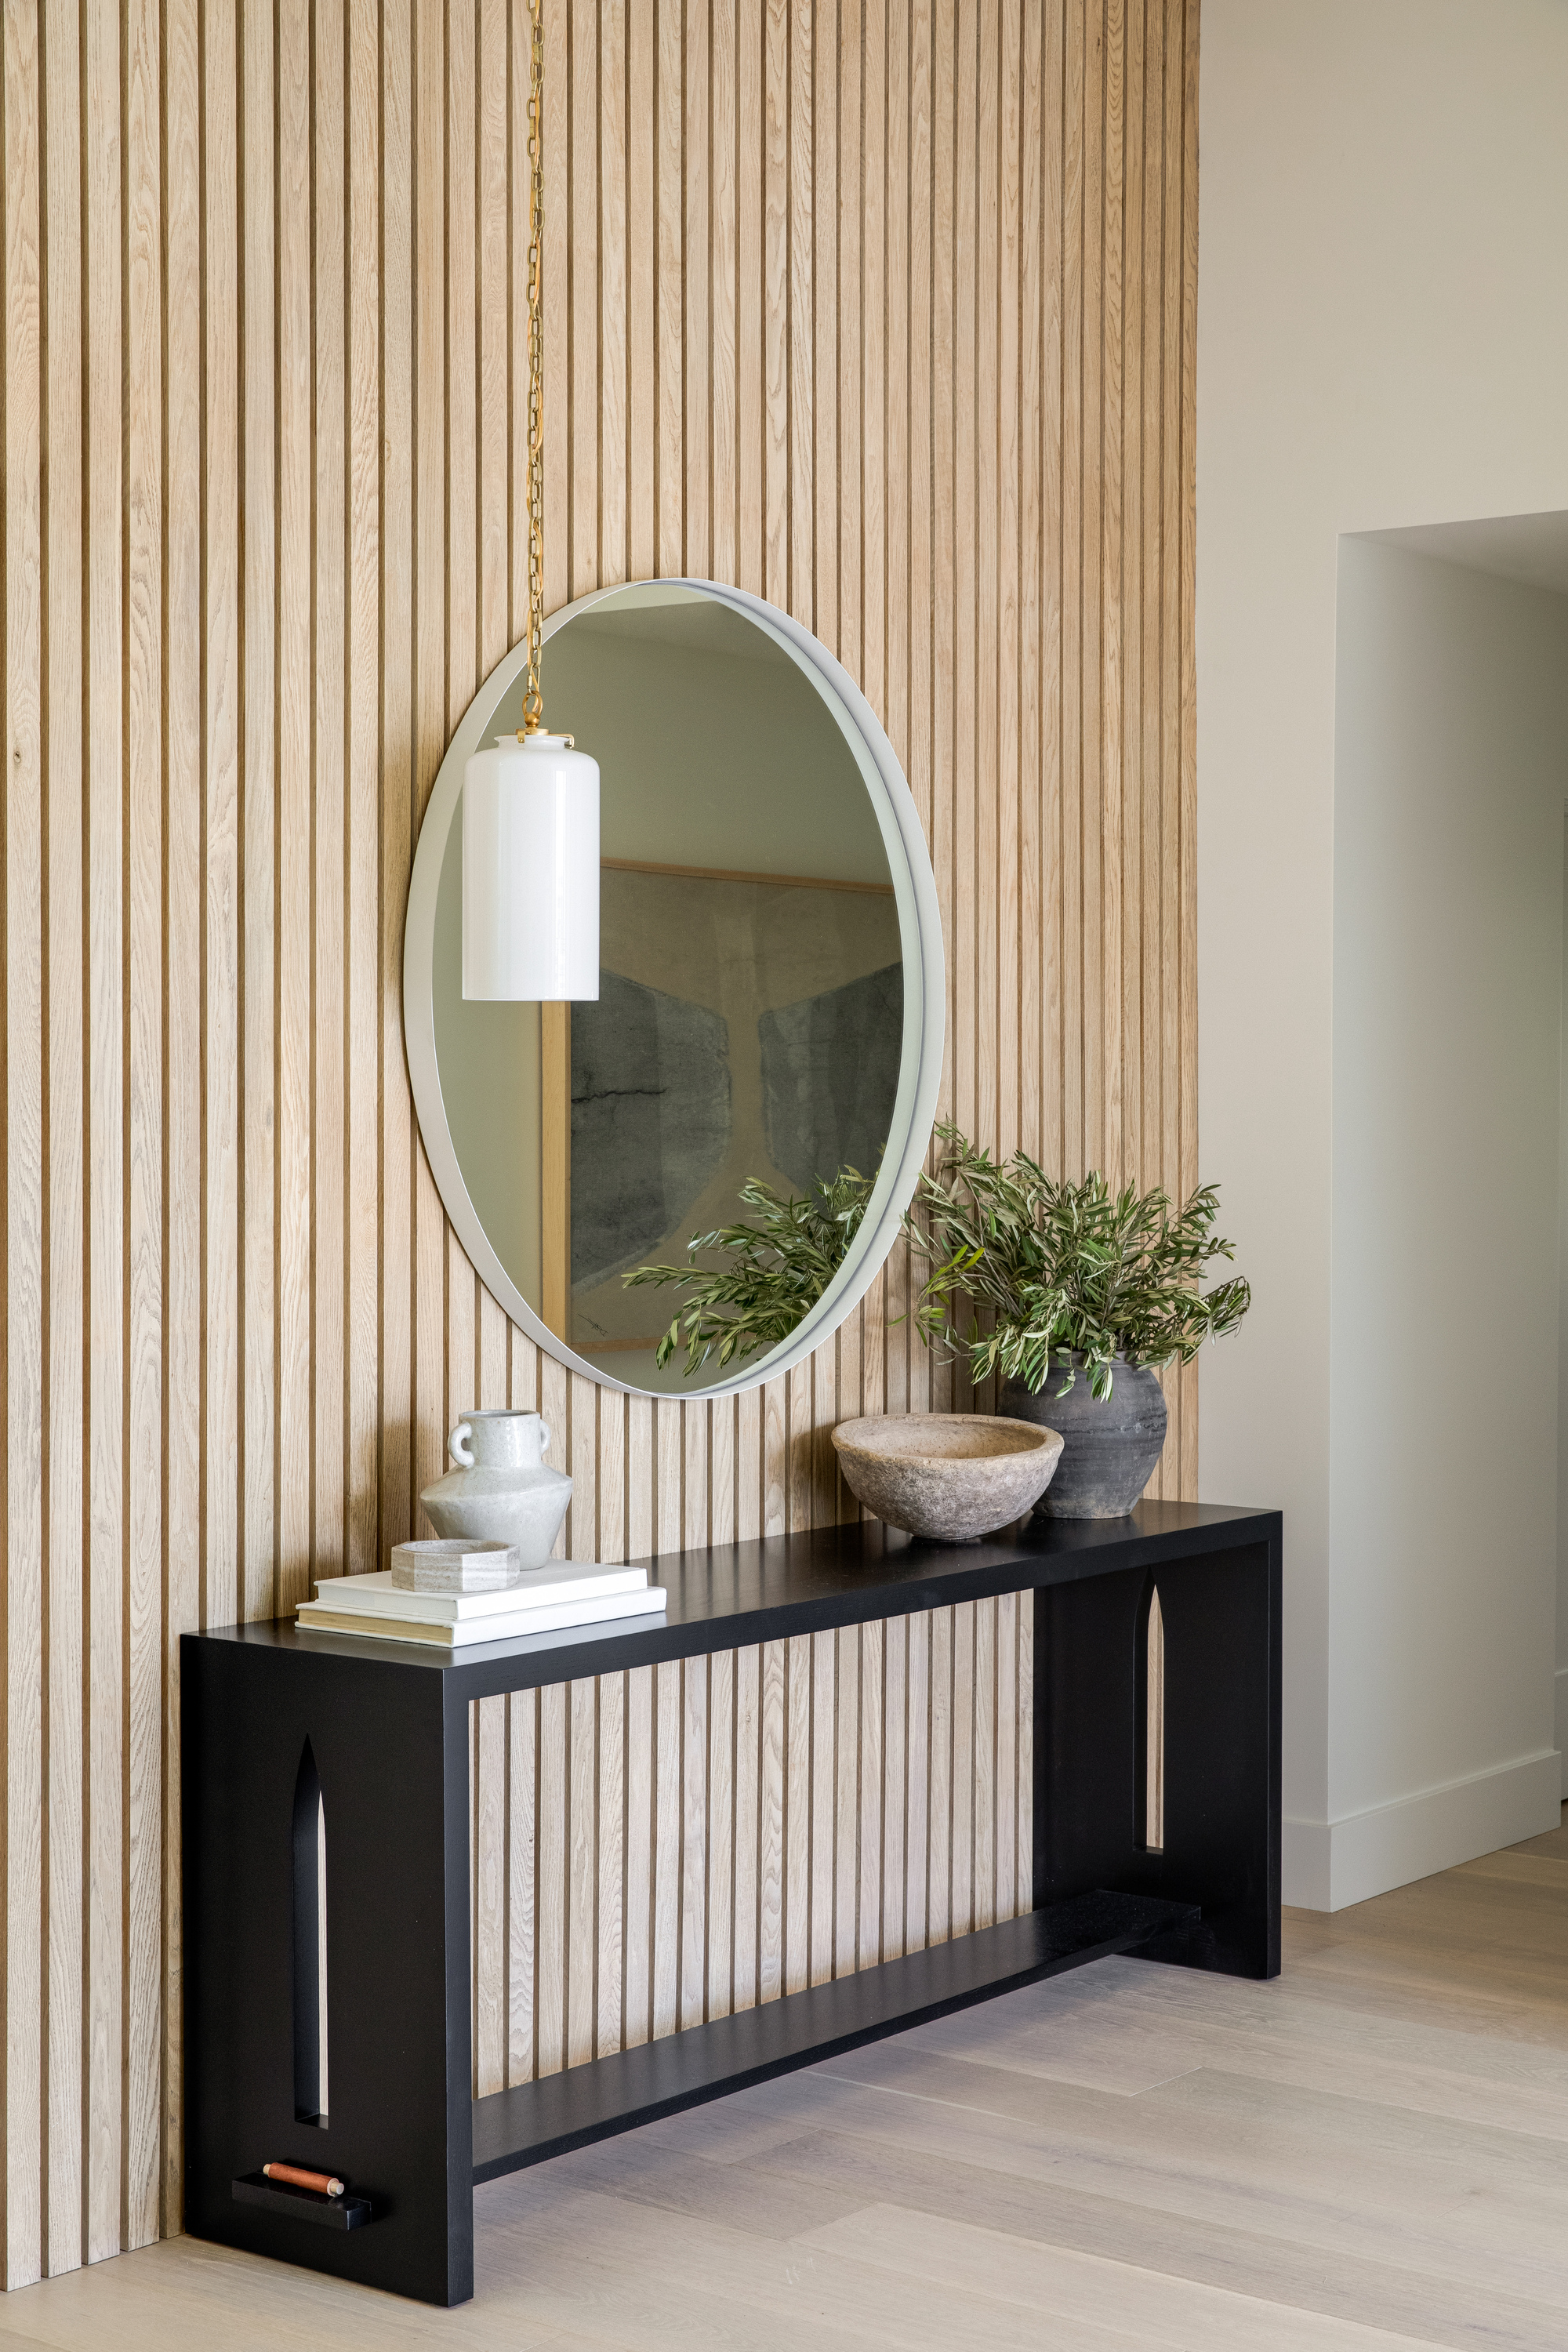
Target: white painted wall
1451,761
1383,340
1561,1732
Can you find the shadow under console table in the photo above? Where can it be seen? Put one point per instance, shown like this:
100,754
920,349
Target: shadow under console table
379,1730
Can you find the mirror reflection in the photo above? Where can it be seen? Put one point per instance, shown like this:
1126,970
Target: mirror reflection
735,1085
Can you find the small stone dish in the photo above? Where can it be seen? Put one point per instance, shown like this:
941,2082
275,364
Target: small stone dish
951,1475
455,1565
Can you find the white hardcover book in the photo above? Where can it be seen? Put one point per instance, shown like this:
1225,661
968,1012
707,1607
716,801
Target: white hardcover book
314,1616
559,1581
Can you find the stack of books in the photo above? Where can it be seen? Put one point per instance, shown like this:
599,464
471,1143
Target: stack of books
565,1592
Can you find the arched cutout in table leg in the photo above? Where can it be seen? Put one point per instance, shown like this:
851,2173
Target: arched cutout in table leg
1148,1721
310,1945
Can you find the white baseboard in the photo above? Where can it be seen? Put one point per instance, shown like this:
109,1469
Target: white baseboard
1328,1864
1560,1734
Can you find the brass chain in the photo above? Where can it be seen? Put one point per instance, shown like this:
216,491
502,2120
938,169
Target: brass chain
533,700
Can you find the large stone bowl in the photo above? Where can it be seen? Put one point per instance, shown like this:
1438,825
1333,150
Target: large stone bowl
954,1476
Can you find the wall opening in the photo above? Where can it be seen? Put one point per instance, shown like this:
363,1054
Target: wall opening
1445,1134
1149,1717
310,1945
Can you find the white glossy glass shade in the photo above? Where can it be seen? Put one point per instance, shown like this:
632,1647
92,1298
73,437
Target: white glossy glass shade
531,873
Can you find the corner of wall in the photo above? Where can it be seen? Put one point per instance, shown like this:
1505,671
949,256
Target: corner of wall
1329,1865
1306,1858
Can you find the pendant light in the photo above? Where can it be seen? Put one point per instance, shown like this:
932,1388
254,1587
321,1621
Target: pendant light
530,802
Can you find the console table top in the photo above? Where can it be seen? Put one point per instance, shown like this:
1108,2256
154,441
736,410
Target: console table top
733,1595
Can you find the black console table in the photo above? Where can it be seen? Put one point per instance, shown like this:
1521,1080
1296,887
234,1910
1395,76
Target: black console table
388,1727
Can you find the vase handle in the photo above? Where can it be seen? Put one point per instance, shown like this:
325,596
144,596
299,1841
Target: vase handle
544,1437
461,1452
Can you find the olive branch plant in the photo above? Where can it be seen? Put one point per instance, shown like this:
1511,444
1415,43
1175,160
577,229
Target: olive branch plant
1063,1270
1058,1270
779,1264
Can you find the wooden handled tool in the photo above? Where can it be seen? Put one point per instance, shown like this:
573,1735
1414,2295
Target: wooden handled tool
297,2177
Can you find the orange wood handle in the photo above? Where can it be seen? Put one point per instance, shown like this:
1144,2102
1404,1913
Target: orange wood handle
327,2182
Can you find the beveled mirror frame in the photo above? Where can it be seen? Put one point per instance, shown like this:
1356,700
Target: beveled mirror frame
925,991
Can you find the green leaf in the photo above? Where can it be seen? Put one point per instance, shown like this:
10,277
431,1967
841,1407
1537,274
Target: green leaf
777,1264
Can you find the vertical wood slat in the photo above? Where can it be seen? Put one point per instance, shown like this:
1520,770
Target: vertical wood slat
1130,712
725,262
326,715
182,1184
557,302
64,1579
488,1766
819,1812
291,622
609,1847
854,1751
101,563
146,1499
613,229
1011,1698
1090,127
962,1861
521,1897
942,1764
975,495
895,1787
582,1868
773,115
428,1420
663,102
692,1964
796,1808
366,918
1005,683
551,1834
918,1727
746,1829
750,230
941,454
664,1781
390,1499
1067,907
718,1837
641,225
773,1736
984,1768
1036,745
1183,1079
250,582
906,711
870,1799
25,2101
640,1785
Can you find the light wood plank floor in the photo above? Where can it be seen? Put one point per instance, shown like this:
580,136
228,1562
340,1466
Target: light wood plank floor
1372,2152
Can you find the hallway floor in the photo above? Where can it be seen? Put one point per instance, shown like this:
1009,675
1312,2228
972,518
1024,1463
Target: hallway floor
1371,2152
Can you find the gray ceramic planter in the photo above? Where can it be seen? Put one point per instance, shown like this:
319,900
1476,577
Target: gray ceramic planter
1109,1449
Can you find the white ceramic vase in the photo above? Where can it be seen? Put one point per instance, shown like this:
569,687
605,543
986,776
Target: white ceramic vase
501,1491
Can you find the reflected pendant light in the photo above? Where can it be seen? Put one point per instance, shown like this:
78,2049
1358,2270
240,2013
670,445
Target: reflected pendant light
530,802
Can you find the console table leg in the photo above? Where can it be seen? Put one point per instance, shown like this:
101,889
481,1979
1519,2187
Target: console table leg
388,1769
1220,1613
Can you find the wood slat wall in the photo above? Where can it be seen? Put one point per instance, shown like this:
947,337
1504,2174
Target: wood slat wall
883,309
740,1826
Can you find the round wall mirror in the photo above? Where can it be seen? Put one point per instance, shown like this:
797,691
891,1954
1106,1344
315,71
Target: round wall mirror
760,1071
